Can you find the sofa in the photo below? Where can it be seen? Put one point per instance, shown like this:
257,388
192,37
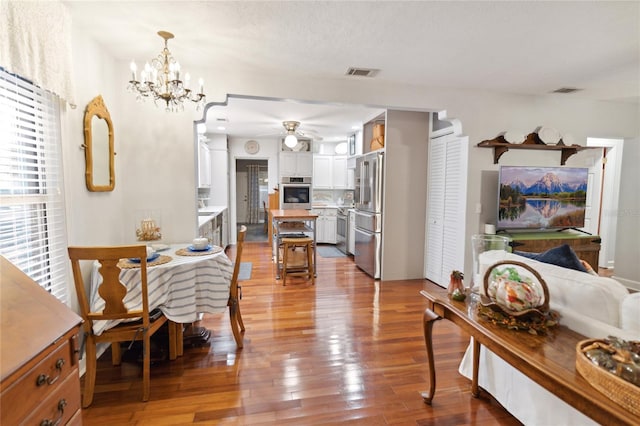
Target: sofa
588,304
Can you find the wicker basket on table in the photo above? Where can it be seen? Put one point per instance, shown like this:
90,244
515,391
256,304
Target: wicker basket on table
618,390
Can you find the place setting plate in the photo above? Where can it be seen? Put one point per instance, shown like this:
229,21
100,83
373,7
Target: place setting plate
191,250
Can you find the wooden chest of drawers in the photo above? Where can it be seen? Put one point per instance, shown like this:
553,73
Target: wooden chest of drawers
586,247
39,351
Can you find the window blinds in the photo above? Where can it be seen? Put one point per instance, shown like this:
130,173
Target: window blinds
32,214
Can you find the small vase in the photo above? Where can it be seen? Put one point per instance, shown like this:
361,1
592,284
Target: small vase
455,283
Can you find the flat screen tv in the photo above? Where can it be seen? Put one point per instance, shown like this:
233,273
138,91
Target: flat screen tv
541,197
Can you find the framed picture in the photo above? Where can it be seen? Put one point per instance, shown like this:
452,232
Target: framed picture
352,145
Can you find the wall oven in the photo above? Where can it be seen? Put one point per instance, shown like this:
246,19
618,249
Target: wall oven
295,193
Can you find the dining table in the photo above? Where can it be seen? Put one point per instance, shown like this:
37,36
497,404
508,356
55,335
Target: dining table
182,283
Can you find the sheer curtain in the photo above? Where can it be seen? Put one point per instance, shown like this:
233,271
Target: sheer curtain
254,208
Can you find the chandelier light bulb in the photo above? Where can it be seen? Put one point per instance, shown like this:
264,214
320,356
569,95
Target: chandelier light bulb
133,68
291,140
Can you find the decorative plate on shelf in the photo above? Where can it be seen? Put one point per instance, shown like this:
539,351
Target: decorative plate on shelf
548,135
252,147
514,137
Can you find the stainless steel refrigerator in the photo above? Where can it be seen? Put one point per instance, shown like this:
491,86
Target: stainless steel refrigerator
369,193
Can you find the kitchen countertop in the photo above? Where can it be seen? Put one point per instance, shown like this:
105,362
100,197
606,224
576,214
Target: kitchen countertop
330,206
205,214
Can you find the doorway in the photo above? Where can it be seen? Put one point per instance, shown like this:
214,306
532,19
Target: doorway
252,177
605,209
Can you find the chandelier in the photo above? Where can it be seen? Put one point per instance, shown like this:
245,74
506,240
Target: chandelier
161,81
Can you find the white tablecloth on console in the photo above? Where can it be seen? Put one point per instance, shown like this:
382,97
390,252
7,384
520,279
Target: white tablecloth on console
181,288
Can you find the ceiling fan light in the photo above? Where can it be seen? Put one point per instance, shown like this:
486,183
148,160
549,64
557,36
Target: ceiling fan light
291,141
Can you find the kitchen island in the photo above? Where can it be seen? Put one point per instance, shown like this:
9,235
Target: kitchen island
287,222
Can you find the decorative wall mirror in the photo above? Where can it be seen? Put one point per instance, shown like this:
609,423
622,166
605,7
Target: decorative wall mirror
98,147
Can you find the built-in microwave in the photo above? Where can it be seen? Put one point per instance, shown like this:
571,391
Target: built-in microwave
295,193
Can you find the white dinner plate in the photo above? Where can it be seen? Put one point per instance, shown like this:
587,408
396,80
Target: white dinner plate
514,137
159,247
549,135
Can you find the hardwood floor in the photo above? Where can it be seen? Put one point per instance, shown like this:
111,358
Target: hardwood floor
348,350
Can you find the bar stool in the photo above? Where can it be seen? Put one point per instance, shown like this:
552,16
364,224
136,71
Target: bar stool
299,268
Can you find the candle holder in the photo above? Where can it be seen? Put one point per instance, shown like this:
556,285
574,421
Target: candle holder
148,226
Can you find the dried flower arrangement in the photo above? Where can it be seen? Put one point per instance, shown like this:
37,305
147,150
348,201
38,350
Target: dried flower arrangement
534,324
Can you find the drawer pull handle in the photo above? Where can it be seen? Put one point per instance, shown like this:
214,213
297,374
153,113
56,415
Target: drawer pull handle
44,379
46,422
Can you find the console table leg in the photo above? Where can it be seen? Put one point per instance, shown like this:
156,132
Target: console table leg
429,319
476,365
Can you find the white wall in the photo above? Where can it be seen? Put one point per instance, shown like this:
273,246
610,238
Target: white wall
155,161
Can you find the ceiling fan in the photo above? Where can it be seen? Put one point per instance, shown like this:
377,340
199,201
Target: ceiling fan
292,134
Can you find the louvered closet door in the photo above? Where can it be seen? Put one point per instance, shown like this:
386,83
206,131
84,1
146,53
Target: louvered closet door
446,207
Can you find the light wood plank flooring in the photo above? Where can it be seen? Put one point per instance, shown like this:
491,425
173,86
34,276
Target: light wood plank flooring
348,350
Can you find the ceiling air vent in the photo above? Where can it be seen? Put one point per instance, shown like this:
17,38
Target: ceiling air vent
362,72
566,90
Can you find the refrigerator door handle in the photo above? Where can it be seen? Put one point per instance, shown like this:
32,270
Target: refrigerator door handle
365,187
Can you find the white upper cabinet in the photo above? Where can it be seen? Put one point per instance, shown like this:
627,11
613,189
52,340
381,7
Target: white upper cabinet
296,164
329,172
322,171
204,166
340,172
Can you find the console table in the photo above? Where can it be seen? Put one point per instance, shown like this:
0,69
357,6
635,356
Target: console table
586,246
547,360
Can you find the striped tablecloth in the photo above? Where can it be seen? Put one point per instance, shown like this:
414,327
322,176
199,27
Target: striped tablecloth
181,288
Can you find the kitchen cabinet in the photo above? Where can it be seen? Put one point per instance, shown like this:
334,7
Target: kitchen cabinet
351,179
326,224
224,226
204,165
219,177
339,174
296,164
322,171
212,226
39,350
329,172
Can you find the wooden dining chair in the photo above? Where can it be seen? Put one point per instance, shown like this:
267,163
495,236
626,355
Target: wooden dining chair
136,323
237,325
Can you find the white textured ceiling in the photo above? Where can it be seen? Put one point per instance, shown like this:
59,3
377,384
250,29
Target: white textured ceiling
518,47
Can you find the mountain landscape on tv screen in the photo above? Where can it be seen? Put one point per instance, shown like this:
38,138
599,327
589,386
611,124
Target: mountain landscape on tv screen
550,183
538,197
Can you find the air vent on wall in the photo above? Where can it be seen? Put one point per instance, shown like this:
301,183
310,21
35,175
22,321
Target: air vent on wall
566,90
362,72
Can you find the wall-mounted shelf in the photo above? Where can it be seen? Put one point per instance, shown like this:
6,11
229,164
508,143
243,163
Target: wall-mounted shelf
500,146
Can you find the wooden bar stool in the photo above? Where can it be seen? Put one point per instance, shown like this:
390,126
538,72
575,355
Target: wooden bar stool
294,265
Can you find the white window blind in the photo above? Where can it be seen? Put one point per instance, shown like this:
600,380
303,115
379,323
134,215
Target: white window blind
32,216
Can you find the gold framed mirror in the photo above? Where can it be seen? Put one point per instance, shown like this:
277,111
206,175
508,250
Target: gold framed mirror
98,147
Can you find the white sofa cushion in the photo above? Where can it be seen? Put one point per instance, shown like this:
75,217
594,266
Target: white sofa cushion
595,297
630,314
